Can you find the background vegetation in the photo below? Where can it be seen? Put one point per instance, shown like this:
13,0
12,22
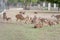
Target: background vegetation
29,2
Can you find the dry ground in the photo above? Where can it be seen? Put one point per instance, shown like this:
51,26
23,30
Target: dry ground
44,14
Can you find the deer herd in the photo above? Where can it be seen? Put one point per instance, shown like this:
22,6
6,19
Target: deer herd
37,21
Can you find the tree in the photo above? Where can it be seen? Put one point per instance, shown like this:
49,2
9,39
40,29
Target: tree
34,1
27,3
12,1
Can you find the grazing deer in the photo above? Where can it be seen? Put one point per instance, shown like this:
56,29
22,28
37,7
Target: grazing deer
56,16
19,17
5,17
34,19
50,22
8,18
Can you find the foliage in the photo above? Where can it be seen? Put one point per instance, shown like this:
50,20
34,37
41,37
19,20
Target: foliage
34,1
10,1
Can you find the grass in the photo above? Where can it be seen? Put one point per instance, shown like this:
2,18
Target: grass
26,32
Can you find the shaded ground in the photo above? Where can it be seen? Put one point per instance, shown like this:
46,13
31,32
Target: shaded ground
26,32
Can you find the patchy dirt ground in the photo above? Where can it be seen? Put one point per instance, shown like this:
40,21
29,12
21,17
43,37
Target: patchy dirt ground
44,14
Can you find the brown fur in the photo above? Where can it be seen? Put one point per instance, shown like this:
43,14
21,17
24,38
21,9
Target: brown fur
8,18
50,23
57,16
19,16
34,19
35,12
38,25
4,16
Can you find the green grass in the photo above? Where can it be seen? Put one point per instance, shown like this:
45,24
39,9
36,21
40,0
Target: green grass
26,32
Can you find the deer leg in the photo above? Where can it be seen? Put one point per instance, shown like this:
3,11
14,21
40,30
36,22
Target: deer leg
16,19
